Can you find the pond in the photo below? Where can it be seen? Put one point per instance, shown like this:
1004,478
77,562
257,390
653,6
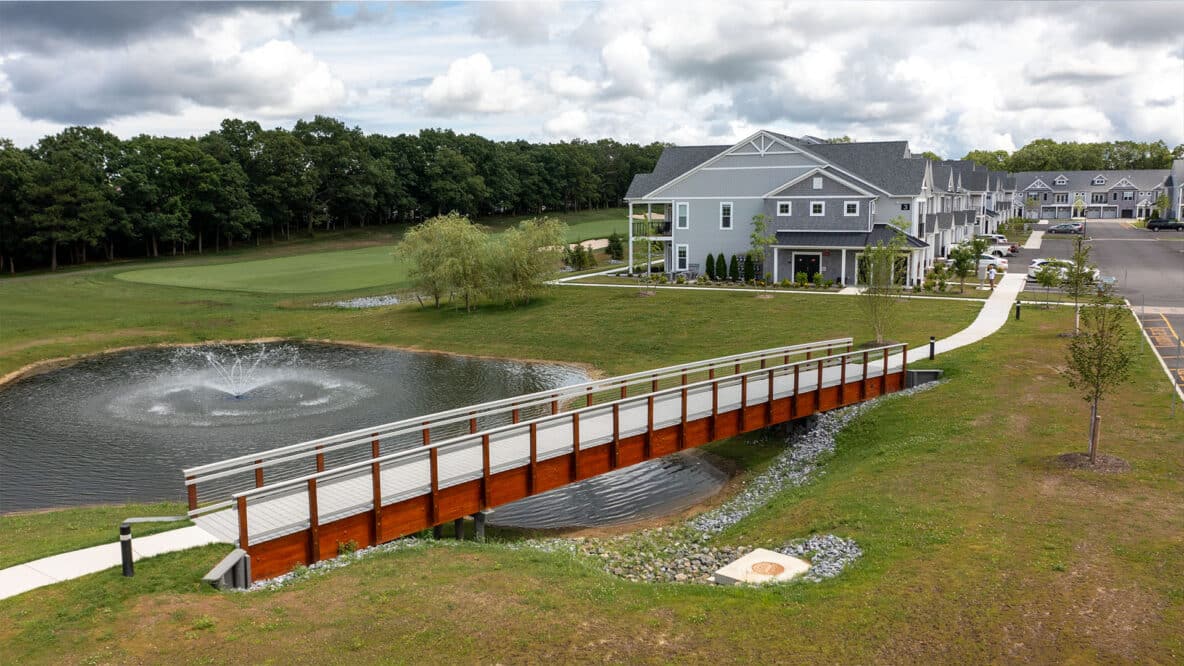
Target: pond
120,427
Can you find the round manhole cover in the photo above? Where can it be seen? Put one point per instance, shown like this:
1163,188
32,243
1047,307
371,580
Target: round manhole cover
768,568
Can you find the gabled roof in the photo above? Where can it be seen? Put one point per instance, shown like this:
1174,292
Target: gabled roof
818,171
674,161
885,164
1082,181
880,233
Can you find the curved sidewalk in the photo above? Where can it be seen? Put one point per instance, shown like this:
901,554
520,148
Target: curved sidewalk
48,570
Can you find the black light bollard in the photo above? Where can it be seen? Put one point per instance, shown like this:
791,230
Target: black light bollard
1017,310
932,347
125,549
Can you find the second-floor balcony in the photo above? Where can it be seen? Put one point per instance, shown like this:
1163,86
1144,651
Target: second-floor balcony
655,227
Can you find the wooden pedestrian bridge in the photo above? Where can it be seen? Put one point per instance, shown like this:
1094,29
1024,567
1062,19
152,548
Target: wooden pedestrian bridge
299,503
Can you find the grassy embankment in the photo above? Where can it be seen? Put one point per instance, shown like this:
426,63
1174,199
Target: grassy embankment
977,548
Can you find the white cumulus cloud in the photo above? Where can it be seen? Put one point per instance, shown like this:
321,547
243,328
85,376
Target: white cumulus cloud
472,85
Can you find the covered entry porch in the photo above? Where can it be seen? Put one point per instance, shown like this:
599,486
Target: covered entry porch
836,255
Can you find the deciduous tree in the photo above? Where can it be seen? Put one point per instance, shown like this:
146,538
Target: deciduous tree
1100,357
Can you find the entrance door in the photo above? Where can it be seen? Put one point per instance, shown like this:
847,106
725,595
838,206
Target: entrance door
806,263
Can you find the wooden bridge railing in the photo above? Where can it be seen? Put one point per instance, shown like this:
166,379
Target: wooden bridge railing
220,480
388,496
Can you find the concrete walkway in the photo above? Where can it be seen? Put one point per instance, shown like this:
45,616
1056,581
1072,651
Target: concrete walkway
1034,240
75,564
46,571
991,318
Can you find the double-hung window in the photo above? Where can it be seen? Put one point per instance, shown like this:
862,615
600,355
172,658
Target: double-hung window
725,215
850,208
817,208
680,256
1128,195
683,215
784,208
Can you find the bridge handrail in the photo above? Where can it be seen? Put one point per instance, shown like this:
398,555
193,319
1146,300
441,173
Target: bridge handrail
257,460
272,488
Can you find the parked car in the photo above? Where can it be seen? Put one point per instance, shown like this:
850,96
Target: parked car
1062,267
1156,225
1004,250
987,260
1067,228
996,239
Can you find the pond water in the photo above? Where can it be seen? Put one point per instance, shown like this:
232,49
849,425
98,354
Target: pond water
120,427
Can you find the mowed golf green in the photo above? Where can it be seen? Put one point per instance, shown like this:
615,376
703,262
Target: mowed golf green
341,270
313,273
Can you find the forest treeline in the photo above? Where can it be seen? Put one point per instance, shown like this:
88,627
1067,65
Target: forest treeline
84,192
1049,155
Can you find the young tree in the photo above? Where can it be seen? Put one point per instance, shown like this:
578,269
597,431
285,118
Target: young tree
1048,276
709,267
616,246
423,249
1100,358
1163,204
721,267
882,294
749,268
1032,205
1078,206
963,264
1078,278
978,245
760,240
734,268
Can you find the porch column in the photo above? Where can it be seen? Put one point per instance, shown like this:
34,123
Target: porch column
630,271
843,268
776,264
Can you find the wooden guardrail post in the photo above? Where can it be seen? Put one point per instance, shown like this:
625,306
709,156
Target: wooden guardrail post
843,380
314,519
884,374
242,523
320,459
434,466
743,402
191,492
649,430
258,473
793,403
473,422
376,498
818,389
769,401
682,429
426,431
714,405
616,433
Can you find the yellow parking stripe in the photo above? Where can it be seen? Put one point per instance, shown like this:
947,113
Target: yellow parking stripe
1165,320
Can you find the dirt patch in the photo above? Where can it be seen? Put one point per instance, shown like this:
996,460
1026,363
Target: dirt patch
1106,464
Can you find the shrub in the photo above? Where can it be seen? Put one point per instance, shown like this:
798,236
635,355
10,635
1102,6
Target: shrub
662,279
616,246
827,284
702,279
817,279
721,267
801,278
786,283
710,265
681,279
734,269
749,269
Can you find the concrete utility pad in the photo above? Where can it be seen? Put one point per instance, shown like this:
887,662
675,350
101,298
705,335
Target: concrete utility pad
761,566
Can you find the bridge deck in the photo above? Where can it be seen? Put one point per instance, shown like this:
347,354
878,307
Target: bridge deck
380,498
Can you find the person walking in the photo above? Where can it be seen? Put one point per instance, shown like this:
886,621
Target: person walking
991,276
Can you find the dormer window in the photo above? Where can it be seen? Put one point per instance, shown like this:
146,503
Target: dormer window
1061,180
1099,180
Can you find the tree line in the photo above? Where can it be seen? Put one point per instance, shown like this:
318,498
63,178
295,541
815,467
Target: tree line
1049,155
84,191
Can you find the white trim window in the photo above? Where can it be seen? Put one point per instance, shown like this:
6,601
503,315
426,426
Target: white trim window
850,209
784,208
1128,196
725,215
682,215
681,254
817,183
817,208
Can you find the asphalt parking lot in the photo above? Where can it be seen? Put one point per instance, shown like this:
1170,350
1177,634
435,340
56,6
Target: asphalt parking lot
1149,272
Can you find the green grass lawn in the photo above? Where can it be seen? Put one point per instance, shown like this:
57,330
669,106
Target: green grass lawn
977,549
331,271
315,272
30,536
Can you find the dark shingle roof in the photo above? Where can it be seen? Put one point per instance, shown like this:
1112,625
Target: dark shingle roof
885,164
1142,179
880,233
674,161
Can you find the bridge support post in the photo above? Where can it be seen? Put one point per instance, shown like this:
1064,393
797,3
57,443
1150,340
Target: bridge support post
479,526
458,528
438,532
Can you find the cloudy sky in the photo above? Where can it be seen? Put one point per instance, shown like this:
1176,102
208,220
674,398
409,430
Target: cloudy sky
947,76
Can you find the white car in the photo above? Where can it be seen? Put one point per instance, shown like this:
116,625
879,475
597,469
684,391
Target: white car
985,261
996,239
1062,266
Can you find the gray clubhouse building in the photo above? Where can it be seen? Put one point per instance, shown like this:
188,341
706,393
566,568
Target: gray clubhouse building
825,202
